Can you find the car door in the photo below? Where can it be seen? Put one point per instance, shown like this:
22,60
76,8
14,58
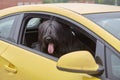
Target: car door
6,26
31,66
25,63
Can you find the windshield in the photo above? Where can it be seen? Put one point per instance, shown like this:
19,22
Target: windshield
108,21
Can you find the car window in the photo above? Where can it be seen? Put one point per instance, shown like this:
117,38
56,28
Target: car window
115,63
65,36
108,21
6,25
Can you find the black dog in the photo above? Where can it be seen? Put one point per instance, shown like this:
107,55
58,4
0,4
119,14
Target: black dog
57,39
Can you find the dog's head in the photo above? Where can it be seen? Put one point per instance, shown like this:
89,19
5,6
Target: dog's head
52,36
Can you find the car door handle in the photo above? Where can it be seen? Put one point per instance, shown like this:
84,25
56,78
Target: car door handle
10,68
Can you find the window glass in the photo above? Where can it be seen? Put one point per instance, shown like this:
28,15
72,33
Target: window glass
108,21
115,63
6,25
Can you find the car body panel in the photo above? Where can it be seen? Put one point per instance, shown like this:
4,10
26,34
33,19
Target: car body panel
83,8
3,47
40,68
80,8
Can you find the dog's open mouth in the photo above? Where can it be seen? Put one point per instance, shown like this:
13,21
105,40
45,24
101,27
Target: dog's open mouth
50,48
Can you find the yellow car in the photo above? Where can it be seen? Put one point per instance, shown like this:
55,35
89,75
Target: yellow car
97,25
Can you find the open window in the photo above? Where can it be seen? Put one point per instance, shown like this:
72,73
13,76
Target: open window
32,22
31,33
89,42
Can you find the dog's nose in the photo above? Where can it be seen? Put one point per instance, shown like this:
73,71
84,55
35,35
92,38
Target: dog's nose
49,39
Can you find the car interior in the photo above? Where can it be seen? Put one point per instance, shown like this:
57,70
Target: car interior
31,34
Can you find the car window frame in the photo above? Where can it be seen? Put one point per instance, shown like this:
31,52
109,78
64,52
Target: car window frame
100,58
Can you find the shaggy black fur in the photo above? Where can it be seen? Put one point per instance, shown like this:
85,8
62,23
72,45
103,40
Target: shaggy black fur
58,37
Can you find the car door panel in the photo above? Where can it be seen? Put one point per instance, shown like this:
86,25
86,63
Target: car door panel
4,64
3,46
7,70
30,66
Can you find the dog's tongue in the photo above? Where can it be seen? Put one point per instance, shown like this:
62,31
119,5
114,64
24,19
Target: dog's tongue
50,48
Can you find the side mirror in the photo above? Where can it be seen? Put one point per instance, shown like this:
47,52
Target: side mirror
79,61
